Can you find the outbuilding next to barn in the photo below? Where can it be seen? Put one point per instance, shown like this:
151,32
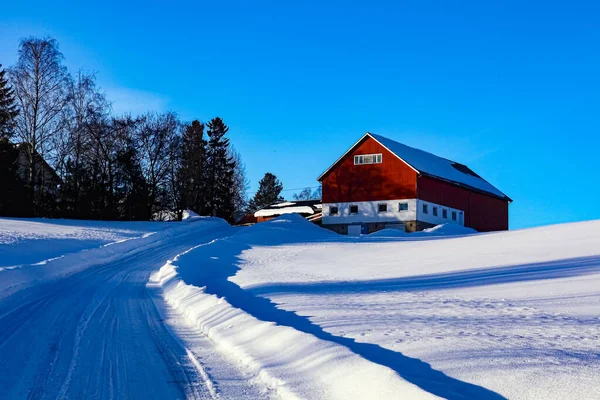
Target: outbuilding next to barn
380,183
309,209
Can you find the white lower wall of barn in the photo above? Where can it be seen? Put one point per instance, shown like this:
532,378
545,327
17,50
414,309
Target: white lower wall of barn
439,219
368,212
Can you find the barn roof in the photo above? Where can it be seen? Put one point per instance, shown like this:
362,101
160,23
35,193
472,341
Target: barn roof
431,165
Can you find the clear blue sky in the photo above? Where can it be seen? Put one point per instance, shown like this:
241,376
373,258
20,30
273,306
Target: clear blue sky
511,88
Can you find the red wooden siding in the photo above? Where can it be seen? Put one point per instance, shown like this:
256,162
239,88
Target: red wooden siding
482,212
392,179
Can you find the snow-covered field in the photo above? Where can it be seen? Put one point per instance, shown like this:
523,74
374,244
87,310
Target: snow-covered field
515,312
285,309
29,241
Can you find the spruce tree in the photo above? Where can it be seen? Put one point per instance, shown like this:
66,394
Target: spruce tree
8,106
192,173
13,196
221,167
12,190
269,191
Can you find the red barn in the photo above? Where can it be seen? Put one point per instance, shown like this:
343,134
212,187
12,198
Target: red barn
379,183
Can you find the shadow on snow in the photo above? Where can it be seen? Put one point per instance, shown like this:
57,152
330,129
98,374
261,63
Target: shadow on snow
220,261
451,280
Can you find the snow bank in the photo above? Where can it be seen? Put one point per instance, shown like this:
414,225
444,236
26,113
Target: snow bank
450,229
438,230
295,364
390,233
187,214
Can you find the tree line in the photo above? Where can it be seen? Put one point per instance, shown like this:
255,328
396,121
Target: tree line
64,154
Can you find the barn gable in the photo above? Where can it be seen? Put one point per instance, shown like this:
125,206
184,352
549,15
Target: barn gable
386,177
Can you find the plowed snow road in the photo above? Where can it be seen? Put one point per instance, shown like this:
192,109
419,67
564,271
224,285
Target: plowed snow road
98,334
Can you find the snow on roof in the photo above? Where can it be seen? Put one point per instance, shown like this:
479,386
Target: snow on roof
284,204
438,167
284,210
287,207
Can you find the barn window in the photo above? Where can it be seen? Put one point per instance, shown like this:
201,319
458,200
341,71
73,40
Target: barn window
445,213
382,208
403,207
368,159
435,212
453,215
333,210
354,209
425,209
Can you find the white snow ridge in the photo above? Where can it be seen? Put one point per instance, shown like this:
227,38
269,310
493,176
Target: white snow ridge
285,309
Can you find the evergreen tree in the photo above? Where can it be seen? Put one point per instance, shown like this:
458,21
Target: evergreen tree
130,185
269,191
12,190
240,185
13,196
8,107
193,168
221,168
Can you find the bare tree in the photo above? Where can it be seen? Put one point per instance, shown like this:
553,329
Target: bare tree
308,194
153,138
40,84
85,104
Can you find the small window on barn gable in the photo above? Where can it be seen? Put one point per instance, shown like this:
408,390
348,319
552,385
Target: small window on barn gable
435,212
403,207
382,208
333,210
453,215
425,209
368,159
354,209
445,213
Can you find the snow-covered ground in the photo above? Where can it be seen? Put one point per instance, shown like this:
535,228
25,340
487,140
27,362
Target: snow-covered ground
29,241
84,325
200,309
516,312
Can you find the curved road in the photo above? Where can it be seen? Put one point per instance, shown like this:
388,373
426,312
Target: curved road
98,334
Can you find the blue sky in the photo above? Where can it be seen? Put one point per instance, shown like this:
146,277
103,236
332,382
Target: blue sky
510,88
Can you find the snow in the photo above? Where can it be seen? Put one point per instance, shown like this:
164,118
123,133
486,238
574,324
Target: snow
37,250
286,309
516,313
284,210
89,327
436,166
450,229
168,215
438,230
284,204
187,214
293,363
54,238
